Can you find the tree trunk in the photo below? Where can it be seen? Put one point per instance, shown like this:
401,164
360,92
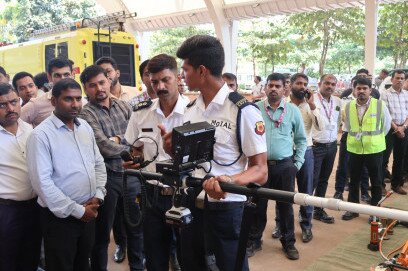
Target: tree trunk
325,47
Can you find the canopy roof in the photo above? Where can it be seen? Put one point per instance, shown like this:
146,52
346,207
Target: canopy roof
160,14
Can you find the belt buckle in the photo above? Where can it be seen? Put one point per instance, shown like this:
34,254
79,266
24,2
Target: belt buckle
166,191
273,162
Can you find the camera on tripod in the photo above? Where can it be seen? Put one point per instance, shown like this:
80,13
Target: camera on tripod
192,145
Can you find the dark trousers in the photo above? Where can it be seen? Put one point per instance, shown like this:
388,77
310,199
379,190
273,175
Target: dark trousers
342,171
222,230
356,163
397,146
118,228
304,178
324,155
67,242
158,235
280,177
104,222
20,236
192,242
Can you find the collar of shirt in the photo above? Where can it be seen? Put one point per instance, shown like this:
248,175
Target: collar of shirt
281,104
58,123
364,105
178,108
22,127
49,94
218,100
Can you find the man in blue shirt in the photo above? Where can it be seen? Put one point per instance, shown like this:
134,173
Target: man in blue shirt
68,174
284,128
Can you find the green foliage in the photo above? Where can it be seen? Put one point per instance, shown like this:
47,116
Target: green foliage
167,41
323,29
23,16
393,33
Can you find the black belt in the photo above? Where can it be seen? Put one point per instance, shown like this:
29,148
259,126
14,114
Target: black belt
317,144
277,162
17,202
223,205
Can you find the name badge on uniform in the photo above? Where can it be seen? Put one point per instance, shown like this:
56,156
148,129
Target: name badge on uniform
330,127
358,136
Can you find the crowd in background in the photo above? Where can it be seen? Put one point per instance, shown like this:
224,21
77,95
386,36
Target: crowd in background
61,168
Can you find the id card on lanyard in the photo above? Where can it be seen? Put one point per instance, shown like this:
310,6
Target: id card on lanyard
329,113
360,120
278,121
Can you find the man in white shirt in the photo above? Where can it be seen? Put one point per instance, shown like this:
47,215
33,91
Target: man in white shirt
168,111
203,61
325,140
20,231
396,100
257,90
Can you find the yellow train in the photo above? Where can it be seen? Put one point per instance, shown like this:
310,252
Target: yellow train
82,44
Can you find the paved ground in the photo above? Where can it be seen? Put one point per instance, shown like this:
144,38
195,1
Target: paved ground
326,237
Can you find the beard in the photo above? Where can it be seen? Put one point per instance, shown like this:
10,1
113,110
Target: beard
299,94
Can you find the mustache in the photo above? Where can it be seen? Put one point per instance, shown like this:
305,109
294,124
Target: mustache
12,113
162,91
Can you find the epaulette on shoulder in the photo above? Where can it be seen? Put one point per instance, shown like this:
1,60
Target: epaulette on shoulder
239,100
142,105
190,104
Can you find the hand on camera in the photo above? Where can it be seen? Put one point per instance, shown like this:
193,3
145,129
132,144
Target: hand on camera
213,188
166,137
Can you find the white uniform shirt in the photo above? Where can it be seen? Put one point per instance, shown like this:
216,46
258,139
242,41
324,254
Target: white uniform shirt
257,89
331,117
143,123
222,113
14,181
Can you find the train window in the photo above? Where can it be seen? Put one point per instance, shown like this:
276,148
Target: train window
49,54
62,50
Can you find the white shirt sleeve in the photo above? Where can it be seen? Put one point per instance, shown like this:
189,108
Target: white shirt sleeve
132,133
252,142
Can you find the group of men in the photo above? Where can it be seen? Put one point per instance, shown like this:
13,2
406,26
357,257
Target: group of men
62,181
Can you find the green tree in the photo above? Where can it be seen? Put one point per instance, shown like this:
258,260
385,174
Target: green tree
393,32
167,41
344,56
24,16
324,28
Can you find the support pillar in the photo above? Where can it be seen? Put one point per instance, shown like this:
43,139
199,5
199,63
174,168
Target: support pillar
371,23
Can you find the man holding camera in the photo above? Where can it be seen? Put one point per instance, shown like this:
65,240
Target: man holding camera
203,61
144,134
108,118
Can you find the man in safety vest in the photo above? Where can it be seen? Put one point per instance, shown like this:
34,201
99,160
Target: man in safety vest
367,122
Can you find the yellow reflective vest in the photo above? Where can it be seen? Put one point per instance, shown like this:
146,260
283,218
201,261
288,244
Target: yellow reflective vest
367,137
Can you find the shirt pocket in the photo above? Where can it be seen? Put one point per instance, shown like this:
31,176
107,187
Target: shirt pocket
285,129
222,136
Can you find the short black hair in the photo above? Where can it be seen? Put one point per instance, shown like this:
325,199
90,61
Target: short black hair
6,88
276,77
203,50
40,79
229,76
59,63
362,71
362,81
142,67
162,62
20,75
64,84
258,77
294,77
327,75
90,72
3,71
398,72
385,71
287,75
109,60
